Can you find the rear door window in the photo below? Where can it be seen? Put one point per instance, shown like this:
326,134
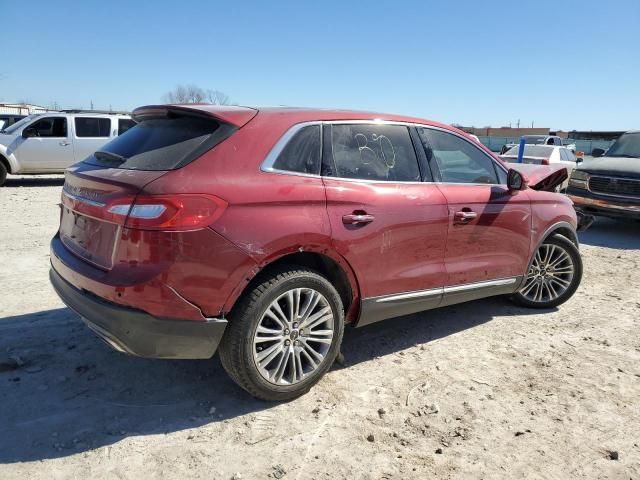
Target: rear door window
92,127
163,143
456,159
372,152
302,153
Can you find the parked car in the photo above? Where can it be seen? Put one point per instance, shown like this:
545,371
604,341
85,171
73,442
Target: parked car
8,119
552,140
261,233
50,142
544,155
609,184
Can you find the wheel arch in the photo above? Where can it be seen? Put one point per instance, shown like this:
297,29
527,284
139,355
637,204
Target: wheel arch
332,266
560,228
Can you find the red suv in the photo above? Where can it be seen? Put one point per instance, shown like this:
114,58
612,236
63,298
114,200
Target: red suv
261,233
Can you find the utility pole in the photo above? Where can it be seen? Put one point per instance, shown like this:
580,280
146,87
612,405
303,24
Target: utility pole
531,123
91,104
518,124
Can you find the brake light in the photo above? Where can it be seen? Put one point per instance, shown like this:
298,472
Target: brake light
545,161
167,212
152,212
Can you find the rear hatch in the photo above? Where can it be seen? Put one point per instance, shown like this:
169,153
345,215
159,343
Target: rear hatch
102,194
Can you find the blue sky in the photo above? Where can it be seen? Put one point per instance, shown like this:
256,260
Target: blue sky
560,64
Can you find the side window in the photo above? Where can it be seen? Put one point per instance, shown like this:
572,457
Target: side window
51,127
92,127
457,160
563,155
558,141
570,155
373,152
124,124
302,153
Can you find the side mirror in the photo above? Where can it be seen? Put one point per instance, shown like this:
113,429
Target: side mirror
515,181
29,132
597,152
579,159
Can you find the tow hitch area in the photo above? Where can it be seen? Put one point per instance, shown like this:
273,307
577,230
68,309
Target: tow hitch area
584,221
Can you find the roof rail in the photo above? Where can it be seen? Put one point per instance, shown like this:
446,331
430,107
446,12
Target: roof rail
78,110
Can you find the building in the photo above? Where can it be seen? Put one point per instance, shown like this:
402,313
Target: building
21,108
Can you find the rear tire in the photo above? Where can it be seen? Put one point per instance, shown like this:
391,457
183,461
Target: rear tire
284,334
554,275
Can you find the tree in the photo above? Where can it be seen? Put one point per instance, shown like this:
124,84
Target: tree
195,94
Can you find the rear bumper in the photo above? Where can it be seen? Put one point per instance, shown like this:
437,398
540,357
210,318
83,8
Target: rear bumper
139,333
589,203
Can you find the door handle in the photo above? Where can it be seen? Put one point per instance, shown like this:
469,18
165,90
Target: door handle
465,217
64,143
357,218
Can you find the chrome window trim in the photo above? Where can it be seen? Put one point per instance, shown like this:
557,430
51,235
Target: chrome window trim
276,150
444,290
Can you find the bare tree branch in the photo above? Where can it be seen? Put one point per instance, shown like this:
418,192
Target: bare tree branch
195,94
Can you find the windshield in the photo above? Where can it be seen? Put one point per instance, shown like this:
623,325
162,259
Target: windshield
534,139
541,151
18,125
628,145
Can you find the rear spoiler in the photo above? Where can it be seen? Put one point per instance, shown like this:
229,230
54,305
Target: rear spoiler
231,115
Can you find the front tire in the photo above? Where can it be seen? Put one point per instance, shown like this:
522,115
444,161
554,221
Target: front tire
3,173
554,274
284,334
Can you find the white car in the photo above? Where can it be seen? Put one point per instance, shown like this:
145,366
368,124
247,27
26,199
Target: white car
50,142
544,155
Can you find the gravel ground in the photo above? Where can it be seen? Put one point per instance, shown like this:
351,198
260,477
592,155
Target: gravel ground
481,390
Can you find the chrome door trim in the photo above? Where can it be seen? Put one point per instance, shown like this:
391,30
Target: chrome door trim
477,285
409,295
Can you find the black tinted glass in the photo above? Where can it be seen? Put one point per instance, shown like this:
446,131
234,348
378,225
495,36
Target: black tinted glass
51,127
157,144
373,152
124,124
302,153
457,160
92,127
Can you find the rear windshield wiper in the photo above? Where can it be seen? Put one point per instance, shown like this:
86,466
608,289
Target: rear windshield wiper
110,157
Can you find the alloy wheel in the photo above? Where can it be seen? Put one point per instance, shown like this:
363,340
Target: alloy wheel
293,336
550,274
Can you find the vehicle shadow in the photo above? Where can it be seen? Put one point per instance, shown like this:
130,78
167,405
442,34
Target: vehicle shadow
63,391
606,232
29,181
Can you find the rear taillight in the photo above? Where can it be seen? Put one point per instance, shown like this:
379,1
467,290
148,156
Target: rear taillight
154,212
545,161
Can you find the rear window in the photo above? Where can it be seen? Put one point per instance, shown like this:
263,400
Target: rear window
541,151
163,143
534,139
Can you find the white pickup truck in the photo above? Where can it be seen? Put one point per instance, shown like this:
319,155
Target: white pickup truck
50,142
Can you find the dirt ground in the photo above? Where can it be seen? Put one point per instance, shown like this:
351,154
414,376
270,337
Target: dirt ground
481,390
